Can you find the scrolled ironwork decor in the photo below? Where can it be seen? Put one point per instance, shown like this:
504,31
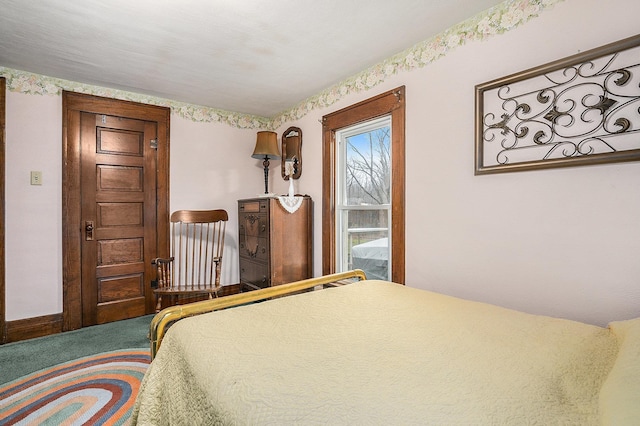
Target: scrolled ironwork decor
584,109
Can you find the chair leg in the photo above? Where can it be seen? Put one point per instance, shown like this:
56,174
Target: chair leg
159,303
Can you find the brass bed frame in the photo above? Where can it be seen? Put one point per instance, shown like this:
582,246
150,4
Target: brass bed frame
163,319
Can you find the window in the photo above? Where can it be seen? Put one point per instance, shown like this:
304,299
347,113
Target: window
363,188
363,202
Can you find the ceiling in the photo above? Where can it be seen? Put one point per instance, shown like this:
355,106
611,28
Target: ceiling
250,56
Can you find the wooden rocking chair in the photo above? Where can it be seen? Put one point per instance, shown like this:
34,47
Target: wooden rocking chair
197,243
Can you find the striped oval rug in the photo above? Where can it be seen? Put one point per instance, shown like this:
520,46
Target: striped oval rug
99,389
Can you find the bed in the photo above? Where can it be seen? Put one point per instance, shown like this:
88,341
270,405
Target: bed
375,352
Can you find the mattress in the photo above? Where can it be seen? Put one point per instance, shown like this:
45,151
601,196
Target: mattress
375,352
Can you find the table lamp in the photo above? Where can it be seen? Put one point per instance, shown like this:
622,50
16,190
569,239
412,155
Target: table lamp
266,149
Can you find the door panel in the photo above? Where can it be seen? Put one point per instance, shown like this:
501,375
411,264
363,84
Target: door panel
116,141
118,178
120,214
123,287
118,187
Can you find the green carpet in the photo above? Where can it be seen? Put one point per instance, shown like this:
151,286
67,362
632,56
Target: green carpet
21,358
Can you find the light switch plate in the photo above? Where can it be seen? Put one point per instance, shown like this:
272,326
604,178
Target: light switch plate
36,178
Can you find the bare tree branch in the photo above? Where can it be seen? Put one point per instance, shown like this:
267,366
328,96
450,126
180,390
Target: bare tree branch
368,170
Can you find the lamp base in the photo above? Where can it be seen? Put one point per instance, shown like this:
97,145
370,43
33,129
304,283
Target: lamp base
267,195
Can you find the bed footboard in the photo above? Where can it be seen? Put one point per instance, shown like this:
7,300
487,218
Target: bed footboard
164,318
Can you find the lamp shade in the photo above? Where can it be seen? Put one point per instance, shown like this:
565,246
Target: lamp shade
266,146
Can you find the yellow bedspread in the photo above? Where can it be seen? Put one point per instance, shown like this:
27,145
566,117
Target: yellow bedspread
377,353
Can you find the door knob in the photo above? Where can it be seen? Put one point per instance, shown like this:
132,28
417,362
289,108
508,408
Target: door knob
88,230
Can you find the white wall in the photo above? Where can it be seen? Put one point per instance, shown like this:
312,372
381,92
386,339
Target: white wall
33,234
562,242
211,167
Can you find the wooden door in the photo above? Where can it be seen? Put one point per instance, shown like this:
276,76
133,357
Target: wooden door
118,213
115,207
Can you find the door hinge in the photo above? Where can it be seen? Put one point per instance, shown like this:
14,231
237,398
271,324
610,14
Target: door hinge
153,143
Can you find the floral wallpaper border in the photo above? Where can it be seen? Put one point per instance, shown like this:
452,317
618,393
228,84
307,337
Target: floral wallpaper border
497,20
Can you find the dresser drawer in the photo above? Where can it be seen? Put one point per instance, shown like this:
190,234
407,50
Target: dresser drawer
254,273
253,206
253,224
254,248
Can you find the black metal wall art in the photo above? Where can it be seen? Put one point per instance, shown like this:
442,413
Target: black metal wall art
584,109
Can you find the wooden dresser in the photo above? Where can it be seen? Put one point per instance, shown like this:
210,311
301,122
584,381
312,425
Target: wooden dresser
275,245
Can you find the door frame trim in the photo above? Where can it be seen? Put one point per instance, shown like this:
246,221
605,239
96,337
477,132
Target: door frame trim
71,179
3,300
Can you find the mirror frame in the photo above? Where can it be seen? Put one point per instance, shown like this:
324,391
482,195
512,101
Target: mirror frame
291,148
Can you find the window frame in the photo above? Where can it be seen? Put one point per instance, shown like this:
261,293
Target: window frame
390,103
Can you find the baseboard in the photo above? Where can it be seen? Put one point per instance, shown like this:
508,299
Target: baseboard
29,328
228,290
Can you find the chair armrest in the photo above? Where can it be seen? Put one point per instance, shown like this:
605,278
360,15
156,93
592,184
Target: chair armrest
163,271
161,261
